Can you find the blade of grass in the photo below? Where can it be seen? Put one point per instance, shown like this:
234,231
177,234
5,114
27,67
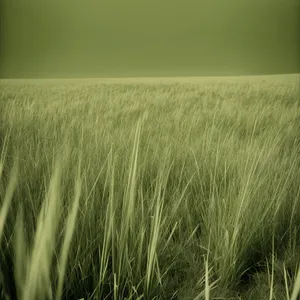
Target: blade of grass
13,180
70,226
296,289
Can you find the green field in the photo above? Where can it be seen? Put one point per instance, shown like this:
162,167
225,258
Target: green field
183,188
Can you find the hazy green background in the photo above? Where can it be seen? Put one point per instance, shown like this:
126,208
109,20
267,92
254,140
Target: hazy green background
62,38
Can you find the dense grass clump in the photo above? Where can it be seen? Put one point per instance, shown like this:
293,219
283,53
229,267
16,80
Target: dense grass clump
150,190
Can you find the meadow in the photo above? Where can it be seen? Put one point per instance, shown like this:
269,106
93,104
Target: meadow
150,188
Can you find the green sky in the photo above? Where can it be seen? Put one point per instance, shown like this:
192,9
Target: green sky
64,38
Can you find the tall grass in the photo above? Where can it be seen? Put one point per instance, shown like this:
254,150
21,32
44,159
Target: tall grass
144,191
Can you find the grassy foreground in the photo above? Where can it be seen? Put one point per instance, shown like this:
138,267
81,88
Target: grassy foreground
145,190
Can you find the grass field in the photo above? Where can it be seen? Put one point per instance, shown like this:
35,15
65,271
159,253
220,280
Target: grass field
150,188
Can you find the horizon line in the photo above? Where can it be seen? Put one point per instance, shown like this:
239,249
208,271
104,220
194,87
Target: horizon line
150,77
